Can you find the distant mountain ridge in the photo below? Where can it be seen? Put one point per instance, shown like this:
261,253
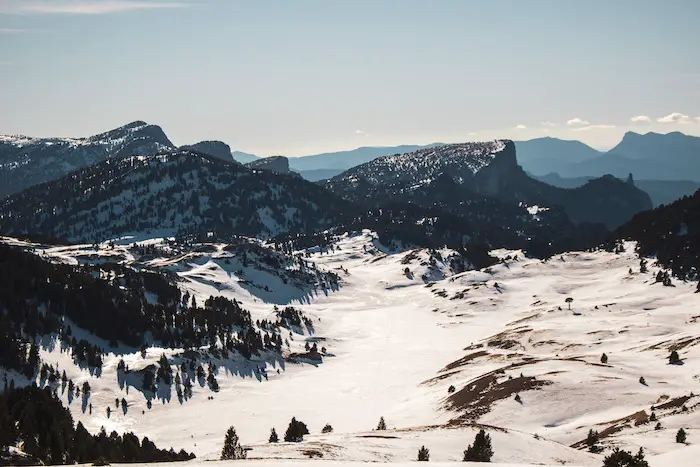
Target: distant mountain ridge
491,170
25,161
170,193
652,156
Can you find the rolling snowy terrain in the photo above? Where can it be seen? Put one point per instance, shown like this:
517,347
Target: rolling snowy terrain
397,332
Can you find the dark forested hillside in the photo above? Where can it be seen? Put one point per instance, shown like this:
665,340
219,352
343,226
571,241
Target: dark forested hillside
175,192
36,418
485,170
115,303
671,233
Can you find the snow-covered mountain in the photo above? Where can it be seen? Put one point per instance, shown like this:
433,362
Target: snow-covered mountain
26,161
487,170
169,193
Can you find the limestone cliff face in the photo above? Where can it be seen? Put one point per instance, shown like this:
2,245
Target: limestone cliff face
501,173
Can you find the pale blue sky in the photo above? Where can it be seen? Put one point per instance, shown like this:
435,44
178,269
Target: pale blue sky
303,76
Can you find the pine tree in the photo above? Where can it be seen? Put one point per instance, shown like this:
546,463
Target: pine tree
680,436
674,359
604,359
423,454
652,418
481,450
592,441
620,458
295,431
273,436
232,448
381,426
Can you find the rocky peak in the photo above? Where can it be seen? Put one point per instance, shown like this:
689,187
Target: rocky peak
278,164
217,149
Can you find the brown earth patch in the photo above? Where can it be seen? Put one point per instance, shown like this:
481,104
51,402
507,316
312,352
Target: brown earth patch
464,360
615,426
476,399
672,404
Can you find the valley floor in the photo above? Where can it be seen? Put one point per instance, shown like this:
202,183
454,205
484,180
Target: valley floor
396,343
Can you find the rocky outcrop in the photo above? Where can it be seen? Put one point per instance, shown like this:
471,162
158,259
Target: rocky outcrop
217,149
277,164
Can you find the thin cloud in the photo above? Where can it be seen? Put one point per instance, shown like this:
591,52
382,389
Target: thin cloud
577,122
521,127
594,127
361,133
85,7
548,124
640,119
675,117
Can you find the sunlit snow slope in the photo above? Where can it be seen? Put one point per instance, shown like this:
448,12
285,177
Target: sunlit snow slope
400,331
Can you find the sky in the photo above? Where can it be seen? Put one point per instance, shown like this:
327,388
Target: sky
298,77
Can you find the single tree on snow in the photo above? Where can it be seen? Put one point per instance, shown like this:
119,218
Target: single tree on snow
568,301
481,450
232,448
680,436
381,426
423,454
674,359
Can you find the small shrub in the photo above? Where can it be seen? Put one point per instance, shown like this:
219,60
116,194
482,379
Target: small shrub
604,359
327,429
658,426
642,380
652,418
451,389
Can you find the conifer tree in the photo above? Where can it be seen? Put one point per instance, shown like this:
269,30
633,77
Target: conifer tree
295,431
620,458
381,426
680,436
674,359
481,450
423,454
232,448
273,436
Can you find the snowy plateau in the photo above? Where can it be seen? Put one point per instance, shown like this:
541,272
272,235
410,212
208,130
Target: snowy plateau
439,354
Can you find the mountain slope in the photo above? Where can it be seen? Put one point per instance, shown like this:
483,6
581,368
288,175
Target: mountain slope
347,159
26,162
660,191
174,192
671,233
490,170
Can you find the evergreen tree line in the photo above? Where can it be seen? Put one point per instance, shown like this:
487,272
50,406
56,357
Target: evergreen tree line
35,420
111,302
